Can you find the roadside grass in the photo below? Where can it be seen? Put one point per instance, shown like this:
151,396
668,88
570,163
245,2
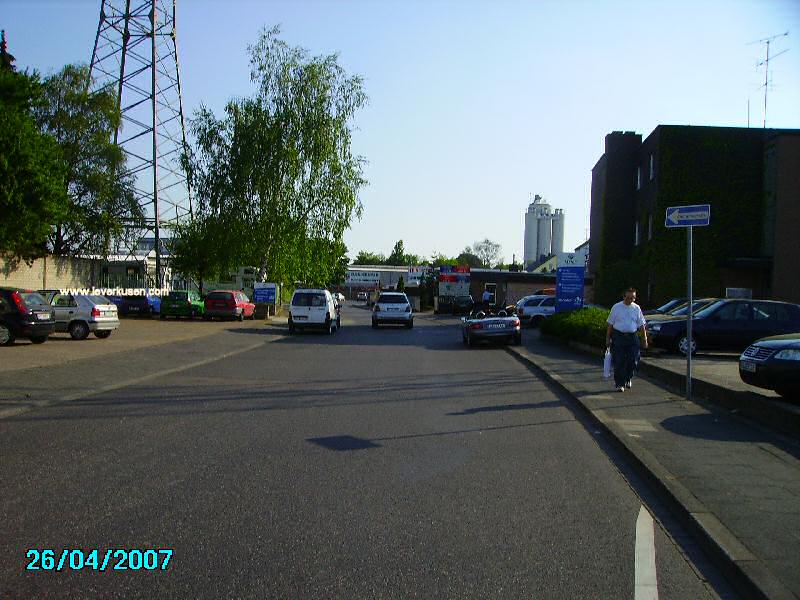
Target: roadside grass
587,325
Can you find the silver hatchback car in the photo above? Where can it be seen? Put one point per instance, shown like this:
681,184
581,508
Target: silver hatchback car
83,314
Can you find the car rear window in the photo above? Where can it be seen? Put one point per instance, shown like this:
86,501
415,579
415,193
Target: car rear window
33,299
178,295
392,299
219,296
308,299
99,299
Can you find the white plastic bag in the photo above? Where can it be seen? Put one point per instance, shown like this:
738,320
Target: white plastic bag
607,369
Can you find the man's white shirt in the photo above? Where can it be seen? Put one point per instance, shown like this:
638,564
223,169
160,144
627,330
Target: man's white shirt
627,318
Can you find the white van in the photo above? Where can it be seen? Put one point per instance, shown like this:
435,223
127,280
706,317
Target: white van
313,309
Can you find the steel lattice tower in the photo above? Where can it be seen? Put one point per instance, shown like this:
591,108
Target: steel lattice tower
136,55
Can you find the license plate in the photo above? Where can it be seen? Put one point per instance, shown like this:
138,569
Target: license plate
220,305
133,308
43,316
746,365
299,318
497,326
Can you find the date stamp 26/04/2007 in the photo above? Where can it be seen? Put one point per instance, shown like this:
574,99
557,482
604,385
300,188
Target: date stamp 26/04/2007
109,559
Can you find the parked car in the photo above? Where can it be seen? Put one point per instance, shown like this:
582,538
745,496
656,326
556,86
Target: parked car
773,363
182,304
726,324
362,296
313,309
132,306
532,310
681,310
228,304
24,313
392,308
666,307
479,326
463,305
80,314
339,297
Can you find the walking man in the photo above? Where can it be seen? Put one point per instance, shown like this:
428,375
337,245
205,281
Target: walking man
486,298
625,320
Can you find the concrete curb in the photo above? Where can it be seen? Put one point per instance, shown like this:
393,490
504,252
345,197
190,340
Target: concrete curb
774,413
746,571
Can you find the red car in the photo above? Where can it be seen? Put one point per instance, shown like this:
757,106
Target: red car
228,304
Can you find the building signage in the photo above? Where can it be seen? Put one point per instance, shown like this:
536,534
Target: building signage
415,274
697,215
362,277
265,292
450,274
569,280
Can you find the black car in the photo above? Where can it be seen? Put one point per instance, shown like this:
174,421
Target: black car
24,313
463,305
773,363
728,324
665,308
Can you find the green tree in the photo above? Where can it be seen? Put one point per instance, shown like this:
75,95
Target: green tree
32,195
277,169
401,285
438,260
398,255
103,205
199,250
369,258
468,259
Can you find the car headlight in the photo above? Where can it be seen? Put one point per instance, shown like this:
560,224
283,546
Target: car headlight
654,327
788,354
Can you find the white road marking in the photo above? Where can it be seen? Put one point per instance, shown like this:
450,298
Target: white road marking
645,581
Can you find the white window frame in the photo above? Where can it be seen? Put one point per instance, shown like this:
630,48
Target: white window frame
652,166
639,177
650,227
636,234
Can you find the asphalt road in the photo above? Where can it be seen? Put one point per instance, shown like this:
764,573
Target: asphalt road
369,464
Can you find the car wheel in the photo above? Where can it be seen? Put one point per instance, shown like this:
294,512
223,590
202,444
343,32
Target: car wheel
162,317
206,318
78,330
38,339
331,328
102,334
536,321
6,337
374,324
683,345
410,324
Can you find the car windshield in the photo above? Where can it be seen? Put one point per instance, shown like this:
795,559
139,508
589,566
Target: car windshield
308,299
708,309
671,305
33,299
178,295
392,299
682,310
219,296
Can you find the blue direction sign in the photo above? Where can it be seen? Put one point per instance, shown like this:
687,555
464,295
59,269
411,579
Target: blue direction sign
697,215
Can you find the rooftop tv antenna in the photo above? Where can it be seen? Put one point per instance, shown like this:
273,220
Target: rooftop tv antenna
765,63
136,55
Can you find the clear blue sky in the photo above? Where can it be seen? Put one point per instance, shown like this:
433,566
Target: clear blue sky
474,106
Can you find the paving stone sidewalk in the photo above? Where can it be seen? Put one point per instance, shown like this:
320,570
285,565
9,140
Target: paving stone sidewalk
738,483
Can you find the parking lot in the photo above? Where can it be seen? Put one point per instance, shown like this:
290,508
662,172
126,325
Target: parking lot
133,334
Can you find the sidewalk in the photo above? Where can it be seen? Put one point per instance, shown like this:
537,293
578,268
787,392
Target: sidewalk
736,485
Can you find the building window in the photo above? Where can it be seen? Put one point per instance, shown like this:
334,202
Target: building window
636,234
638,178
650,227
652,167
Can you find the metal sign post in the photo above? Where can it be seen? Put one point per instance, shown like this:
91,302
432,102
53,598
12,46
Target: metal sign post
688,217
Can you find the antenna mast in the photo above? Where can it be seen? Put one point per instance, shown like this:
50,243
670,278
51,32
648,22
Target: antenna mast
765,63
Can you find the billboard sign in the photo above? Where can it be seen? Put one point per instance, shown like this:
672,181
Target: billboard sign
355,277
265,292
569,280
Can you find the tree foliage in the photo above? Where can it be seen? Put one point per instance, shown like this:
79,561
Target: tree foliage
276,172
32,196
369,258
487,251
103,206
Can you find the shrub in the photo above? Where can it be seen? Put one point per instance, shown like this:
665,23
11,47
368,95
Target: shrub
587,325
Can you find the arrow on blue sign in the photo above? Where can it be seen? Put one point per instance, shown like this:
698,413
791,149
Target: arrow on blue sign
697,215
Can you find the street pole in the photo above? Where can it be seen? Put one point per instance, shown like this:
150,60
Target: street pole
689,316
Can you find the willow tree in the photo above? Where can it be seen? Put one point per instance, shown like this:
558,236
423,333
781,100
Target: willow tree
276,170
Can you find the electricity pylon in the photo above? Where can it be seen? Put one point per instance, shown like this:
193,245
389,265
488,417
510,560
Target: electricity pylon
136,55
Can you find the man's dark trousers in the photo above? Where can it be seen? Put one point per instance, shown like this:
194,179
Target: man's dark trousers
624,356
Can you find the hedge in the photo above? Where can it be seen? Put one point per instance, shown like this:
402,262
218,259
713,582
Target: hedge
587,325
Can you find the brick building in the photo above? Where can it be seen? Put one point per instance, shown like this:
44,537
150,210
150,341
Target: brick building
751,179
